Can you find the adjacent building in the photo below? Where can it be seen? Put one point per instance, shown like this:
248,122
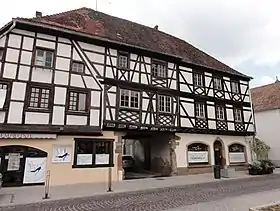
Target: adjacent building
77,86
266,104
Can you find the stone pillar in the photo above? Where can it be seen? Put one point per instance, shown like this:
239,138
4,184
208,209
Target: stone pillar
119,152
173,159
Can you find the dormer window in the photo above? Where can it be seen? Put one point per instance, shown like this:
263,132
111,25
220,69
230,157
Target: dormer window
159,69
44,58
123,60
217,83
234,87
198,79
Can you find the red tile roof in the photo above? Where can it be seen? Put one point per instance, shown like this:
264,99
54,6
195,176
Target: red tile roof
95,23
266,97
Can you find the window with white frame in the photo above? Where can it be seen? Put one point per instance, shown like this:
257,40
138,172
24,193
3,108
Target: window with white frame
200,110
217,83
78,67
220,114
164,103
1,53
198,79
159,69
123,60
237,115
44,58
234,87
129,98
39,98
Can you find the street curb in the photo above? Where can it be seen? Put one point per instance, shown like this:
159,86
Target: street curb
258,208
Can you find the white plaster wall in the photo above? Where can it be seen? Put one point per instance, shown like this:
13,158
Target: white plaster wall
23,73
45,44
267,128
95,98
2,41
61,77
2,116
77,81
60,95
18,91
37,118
186,139
94,117
58,115
15,113
10,71
94,57
62,63
76,120
14,41
26,57
90,82
12,55
46,36
42,75
28,43
24,32
64,50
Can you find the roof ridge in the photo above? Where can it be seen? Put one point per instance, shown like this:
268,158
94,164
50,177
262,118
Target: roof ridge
266,85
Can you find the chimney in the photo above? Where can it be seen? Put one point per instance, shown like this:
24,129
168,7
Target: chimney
38,14
156,27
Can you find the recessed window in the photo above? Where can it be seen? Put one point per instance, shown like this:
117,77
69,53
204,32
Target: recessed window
218,84
237,115
77,101
234,87
44,58
159,69
200,110
90,153
164,103
123,60
198,79
78,67
39,98
1,53
220,112
129,98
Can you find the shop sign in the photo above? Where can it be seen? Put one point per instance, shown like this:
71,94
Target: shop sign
197,156
236,157
26,136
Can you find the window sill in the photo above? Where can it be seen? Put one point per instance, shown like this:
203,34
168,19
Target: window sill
82,113
43,67
92,166
159,78
44,110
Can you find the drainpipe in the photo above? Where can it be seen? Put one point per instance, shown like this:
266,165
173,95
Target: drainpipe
10,29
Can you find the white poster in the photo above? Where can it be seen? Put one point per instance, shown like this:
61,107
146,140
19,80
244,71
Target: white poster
84,159
61,154
3,93
35,170
13,161
236,157
102,159
198,156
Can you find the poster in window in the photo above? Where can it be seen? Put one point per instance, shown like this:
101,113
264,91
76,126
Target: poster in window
236,157
61,154
13,162
35,170
3,93
198,156
84,159
102,159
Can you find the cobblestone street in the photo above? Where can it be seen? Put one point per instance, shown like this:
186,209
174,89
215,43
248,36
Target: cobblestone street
159,199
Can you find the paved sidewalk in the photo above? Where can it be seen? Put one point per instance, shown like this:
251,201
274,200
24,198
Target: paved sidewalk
25,195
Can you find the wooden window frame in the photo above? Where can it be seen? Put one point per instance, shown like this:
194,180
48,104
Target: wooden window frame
39,98
204,110
241,116
161,63
45,50
77,103
237,85
194,79
221,81
217,111
165,97
124,54
129,99
94,143
78,62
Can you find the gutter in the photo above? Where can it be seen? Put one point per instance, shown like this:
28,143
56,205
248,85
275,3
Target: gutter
9,30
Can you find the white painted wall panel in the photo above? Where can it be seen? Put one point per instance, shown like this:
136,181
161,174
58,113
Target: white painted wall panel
45,44
109,72
91,47
95,98
60,95
64,40
185,122
76,120
247,99
28,43
26,57
62,64
211,111
100,68
94,117
61,77
251,128
76,80
113,52
64,50
90,82
12,55
2,116
2,41
42,75
15,113
18,91
112,99
10,71
133,56
247,115
46,36
37,118
94,57
23,73
24,32
76,56
229,114
144,79
14,41
212,124
243,88
189,107
231,126
58,115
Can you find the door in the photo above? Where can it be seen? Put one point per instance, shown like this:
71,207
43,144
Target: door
218,153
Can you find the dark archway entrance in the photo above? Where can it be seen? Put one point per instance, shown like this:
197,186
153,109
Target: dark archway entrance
22,165
219,153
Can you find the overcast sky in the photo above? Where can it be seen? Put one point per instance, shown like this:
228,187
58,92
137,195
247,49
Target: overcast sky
244,34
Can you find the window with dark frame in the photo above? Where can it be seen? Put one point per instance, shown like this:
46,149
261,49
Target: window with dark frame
92,153
200,110
44,58
235,87
123,60
217,83
237,115
198,79
159,69
164,103
220,112
39,98
1,53
77,101
199,154
3,86
78,67
129,98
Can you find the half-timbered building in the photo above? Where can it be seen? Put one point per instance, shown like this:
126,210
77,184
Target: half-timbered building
76,87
